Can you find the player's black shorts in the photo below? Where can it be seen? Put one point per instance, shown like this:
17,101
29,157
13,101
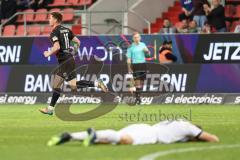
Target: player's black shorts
139,71
66,69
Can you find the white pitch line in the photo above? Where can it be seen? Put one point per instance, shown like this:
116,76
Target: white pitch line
155,155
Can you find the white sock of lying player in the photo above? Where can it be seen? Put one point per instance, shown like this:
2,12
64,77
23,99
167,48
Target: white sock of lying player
79,136
103,136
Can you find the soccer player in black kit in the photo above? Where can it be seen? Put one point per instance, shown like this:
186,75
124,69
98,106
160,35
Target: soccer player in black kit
61,37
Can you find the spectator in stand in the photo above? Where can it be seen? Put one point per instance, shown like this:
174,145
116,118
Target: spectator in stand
8,9
216,16
184,26
187,8
23,4
193,28
167,27
36,4
165,53
198,12
206,28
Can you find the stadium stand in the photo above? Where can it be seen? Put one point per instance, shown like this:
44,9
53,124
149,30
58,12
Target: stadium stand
34,30
20,30
46,30
172,13
9,30
41,15
37,21
68,14
67,7
57,3
29,16
232,13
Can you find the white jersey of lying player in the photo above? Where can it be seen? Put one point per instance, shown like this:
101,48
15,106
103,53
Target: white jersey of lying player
162,132
140,133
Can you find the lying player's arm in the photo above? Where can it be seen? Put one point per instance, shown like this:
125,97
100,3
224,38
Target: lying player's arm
54,49
204,136
75,39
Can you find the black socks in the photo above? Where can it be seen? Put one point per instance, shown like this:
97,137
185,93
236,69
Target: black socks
55,96
85,84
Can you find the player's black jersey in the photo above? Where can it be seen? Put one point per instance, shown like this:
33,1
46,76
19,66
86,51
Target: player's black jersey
63,35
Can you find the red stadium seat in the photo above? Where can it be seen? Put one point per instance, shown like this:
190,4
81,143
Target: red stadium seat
34,30
159,20
175,9
173,14
58,3
29,17
85,2
228,11
20,30
177,4
155,30
156,25
77,29
9,30
41,15
237,12
228,24
73,2
19,18
174,20
145,30
46,30
165,15
55,10
68,14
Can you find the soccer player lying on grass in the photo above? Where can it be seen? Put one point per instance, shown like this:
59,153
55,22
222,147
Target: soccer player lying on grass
164,132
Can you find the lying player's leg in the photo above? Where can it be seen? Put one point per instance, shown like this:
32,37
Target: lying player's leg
57,83
91,136
108,136
136,134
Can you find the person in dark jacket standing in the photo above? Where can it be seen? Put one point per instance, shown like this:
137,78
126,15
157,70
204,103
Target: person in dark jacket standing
187,9
216,15
198,12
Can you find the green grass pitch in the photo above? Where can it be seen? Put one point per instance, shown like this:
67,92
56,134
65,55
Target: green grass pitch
24,133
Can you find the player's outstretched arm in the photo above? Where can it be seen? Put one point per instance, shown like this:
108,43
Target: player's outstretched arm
54,49
75,39
207,137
